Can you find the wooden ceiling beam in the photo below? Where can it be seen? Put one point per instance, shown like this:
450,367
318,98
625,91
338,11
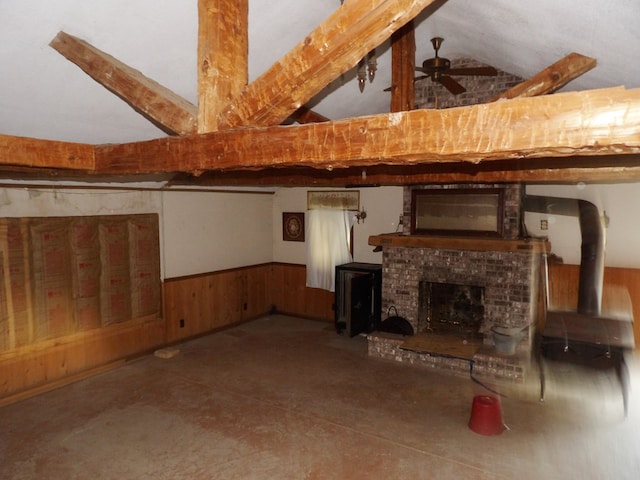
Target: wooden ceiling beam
551,78
354,29
167,110
223,47
610,169
33,152
593,122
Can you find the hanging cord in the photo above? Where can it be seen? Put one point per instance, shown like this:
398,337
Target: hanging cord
475,380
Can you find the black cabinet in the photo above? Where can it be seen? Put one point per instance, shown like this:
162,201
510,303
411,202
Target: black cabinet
358,297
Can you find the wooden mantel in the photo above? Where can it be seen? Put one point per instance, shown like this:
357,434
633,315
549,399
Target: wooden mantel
483,244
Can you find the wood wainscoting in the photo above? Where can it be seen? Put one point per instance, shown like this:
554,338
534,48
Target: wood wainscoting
37,368
621,291
197,304
291,296
193,305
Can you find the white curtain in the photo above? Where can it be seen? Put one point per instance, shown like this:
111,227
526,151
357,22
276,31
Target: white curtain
328,238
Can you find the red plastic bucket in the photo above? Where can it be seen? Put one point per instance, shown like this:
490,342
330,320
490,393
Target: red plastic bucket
486,415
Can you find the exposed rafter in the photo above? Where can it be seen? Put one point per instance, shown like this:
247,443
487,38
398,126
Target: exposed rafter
157,103
551,78
403,66
223,39
356,27
594,134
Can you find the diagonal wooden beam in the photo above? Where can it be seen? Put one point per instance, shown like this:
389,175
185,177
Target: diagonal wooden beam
157,103
551,78
306,115
223,41
334,47
594,122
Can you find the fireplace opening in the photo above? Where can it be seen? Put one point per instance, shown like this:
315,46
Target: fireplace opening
451,309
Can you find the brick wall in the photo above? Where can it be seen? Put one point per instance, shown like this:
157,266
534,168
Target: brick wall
509,279
479,89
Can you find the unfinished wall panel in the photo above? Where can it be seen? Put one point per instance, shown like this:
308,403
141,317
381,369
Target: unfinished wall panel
67,286
64,275
144,265
115,281
85,271
51,276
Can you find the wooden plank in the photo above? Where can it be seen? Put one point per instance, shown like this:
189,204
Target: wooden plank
335,46
460,243
223,43
37,368
291,296
214,300
551,78
32,152
589,123
403,67
152,100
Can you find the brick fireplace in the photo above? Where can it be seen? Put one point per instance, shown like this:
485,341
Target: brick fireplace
496,280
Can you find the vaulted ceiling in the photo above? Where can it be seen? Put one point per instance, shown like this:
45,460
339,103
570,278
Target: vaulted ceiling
45,96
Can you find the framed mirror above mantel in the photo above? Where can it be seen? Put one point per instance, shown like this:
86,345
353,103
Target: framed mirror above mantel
458,212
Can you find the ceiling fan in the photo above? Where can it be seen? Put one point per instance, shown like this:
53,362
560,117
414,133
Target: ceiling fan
440,71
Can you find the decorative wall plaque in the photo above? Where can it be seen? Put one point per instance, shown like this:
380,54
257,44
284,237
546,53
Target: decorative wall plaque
293,226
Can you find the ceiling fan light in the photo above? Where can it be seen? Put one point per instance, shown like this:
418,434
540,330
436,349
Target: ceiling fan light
362,74
372,65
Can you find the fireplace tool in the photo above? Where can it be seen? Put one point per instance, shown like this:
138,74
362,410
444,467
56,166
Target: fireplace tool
396,323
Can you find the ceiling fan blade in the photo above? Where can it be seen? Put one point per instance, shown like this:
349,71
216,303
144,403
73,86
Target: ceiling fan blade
486,71
450,84
421,69
388,89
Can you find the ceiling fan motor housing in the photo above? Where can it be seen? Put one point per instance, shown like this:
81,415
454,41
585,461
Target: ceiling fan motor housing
436,64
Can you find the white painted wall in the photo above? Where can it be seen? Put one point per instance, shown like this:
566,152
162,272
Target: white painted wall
382,204
621,202
209,231
199,231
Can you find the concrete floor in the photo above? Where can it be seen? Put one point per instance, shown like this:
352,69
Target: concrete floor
285,398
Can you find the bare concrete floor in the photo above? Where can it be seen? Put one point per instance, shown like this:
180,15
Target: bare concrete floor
285,398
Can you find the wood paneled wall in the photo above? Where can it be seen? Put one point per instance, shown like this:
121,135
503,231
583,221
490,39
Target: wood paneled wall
620,293
198,304
32,369
205,303
291,296
193,305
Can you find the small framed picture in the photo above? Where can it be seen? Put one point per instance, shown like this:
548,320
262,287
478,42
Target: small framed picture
293,226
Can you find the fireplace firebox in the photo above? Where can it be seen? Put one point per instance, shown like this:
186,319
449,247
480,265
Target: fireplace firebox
451,309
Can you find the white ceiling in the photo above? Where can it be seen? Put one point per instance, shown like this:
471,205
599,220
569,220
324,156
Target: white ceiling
43,95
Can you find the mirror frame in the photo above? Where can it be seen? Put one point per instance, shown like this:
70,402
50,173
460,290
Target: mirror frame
420,199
